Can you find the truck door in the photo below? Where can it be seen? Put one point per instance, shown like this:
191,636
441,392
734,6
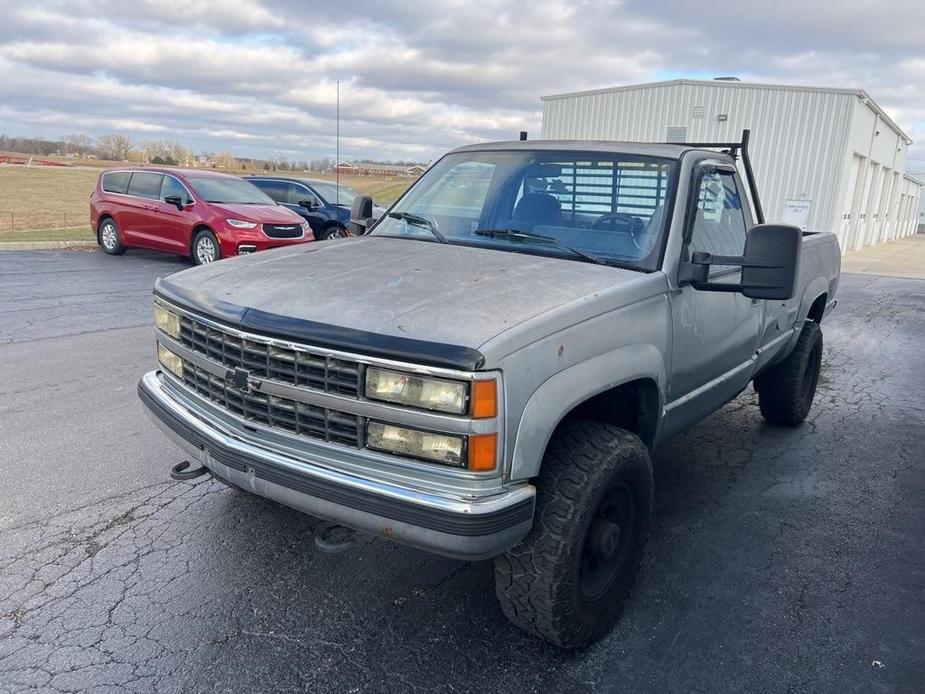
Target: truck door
714,334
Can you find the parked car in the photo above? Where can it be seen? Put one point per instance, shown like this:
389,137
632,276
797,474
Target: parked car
201,214
324,204
495,360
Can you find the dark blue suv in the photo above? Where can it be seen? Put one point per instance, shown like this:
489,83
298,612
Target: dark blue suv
324,204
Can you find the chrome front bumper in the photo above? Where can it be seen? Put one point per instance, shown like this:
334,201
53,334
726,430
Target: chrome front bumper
455,527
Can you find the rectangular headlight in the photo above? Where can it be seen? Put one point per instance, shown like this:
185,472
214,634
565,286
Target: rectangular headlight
166,321
417,391
440,448
170,361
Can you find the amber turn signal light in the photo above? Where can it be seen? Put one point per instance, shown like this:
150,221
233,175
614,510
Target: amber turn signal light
482,449
484,399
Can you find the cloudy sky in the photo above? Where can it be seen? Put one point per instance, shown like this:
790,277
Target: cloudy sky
258,76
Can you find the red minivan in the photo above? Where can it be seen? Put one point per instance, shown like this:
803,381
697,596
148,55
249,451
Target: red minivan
201,214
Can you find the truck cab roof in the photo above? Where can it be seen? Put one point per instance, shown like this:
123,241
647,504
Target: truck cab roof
653,149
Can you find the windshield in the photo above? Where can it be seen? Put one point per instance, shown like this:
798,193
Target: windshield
228,190
335,194
589,206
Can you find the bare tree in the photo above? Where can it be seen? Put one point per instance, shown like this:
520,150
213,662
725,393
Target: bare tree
224,160
78,143
180,154
115,146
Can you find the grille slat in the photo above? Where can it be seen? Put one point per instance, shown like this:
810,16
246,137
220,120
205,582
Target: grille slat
293,367
296,368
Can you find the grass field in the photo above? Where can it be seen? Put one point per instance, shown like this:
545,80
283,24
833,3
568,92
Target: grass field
50,203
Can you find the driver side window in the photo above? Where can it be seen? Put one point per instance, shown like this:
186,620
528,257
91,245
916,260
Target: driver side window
718,225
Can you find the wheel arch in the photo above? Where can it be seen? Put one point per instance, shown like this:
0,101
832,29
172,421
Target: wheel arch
817,308
813,301
196,229
102,217
625,387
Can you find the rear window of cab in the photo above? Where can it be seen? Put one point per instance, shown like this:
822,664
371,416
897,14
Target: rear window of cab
116,182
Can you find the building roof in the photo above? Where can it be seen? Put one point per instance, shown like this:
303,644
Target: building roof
735,84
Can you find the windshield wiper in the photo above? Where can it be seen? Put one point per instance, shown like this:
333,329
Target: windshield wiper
530,236
418,221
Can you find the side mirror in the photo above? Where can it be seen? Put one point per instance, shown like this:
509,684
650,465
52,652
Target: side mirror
308,204
770,264
175,200
361,213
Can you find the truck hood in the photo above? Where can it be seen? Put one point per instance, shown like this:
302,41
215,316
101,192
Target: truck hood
400,298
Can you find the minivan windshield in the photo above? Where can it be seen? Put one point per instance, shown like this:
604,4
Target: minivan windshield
228,190
335,194
605,207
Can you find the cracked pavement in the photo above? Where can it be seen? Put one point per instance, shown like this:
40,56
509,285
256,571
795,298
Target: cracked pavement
780,560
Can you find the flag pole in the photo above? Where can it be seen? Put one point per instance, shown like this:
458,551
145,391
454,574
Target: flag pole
337,151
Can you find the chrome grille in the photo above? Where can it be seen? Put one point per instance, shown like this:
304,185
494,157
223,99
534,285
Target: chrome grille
298,368
270,410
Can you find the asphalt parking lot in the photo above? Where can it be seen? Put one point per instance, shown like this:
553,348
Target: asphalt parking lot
780,560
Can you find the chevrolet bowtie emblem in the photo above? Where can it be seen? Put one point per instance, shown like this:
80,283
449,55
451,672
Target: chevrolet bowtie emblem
238,378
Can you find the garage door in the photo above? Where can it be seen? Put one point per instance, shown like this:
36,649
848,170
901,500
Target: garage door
849,198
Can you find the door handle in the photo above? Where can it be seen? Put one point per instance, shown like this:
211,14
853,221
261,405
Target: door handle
756,302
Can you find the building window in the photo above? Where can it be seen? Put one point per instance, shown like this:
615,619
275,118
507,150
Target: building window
676,134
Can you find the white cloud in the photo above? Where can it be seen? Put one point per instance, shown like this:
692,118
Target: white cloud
260,76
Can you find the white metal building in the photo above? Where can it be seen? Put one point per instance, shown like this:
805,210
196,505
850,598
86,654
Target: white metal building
825,159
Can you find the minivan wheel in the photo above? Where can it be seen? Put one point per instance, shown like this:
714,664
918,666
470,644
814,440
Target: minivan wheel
567,581
110,239
205,248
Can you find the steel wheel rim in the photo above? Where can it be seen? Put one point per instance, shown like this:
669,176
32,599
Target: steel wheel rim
608,541
205,250
108,236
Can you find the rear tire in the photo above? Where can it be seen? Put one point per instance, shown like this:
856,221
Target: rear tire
787,389
567,581
205,248
110,237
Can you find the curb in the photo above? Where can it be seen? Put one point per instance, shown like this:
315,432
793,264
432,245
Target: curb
47,245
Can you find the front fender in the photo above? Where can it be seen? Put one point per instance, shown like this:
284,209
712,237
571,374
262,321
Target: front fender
567,389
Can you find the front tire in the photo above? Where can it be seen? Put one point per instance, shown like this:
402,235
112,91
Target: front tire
111,237
333,232
205,248
787,389
567,581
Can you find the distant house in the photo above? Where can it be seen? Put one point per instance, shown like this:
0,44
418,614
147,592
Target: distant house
369,169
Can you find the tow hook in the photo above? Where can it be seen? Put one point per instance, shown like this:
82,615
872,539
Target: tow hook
180,472
334,539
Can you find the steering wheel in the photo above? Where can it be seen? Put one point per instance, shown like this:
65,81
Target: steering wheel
623,223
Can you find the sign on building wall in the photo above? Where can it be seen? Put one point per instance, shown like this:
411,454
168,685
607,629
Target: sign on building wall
796,212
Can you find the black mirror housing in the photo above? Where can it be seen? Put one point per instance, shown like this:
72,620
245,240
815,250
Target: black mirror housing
175,200
360,215
772,261
770,264
307,204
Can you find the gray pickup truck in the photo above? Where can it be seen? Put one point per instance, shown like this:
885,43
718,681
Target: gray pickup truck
484,373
